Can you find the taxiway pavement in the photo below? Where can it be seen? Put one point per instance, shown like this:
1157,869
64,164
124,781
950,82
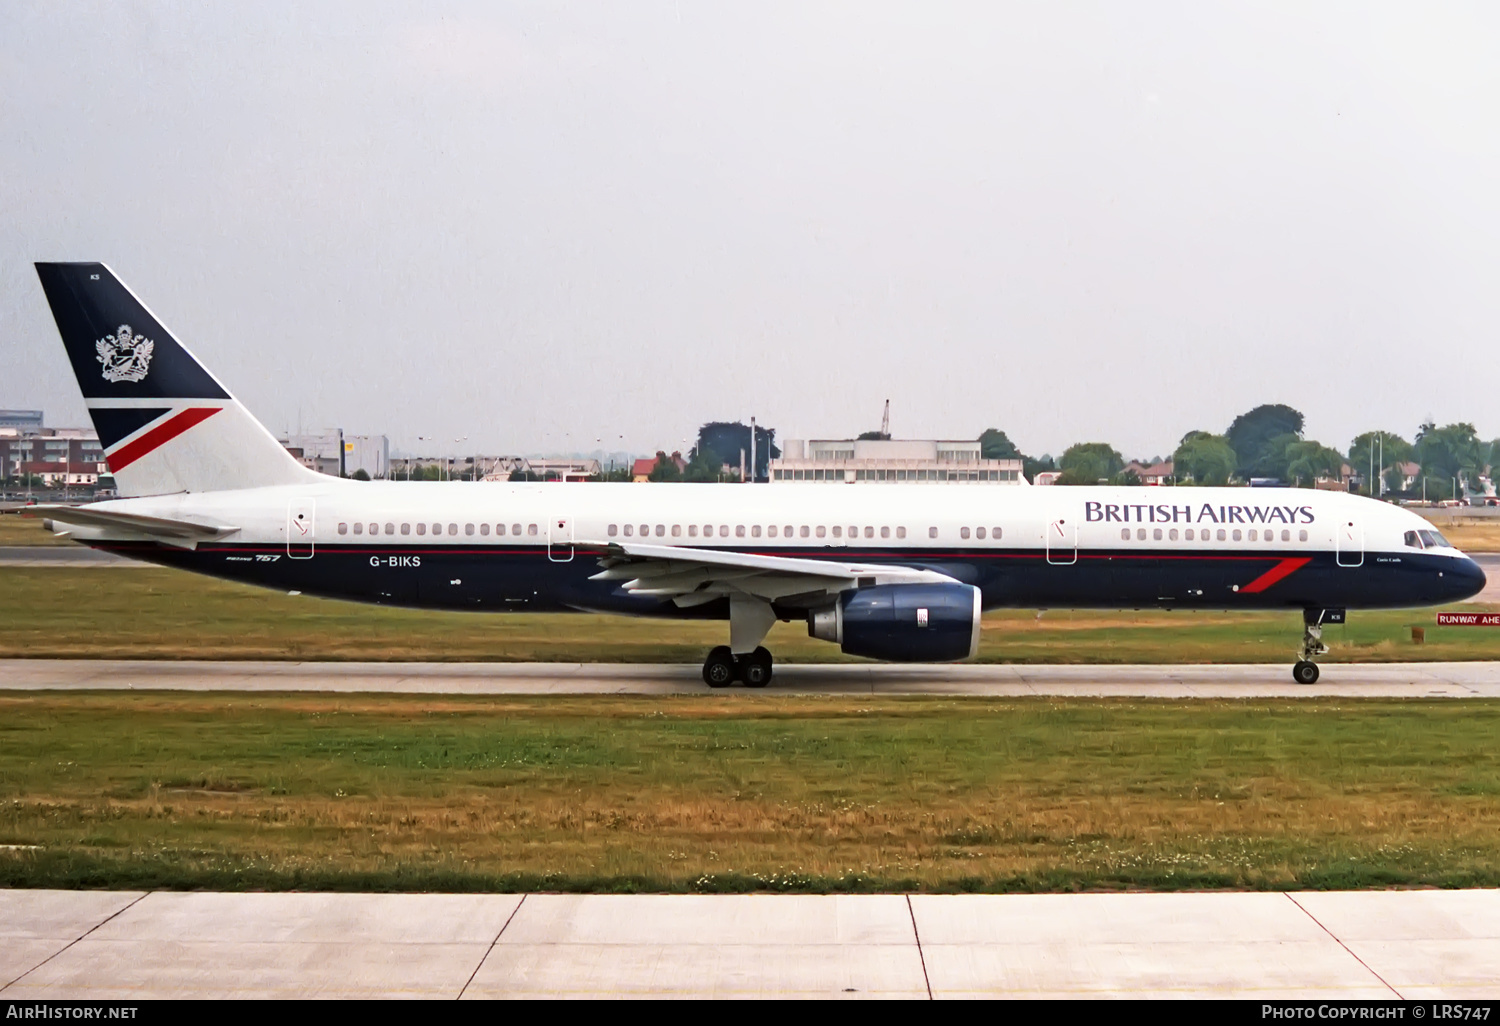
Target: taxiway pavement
1368,680
98,945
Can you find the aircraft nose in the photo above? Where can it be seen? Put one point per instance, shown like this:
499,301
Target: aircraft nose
1468,579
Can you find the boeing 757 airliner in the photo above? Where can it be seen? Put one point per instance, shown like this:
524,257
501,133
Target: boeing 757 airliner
894,572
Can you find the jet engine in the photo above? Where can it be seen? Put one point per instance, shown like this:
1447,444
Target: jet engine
902,623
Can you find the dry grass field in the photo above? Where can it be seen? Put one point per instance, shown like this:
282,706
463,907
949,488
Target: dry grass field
744,792
149,612
16,530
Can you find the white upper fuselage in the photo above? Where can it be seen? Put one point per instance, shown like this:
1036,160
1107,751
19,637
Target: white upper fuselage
896,518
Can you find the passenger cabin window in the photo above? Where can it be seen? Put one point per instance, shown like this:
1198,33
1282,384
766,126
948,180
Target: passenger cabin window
1124,534
1286,535
995,533
406,529
1156,534
629,530
676,530
1236,534
963,532
344,529
900,532
822,530
885,532
484,529
374,528
869,532
1172,534
692,530
771,531
980,533
515,529
468,529
360,529
421,528
531,529
838,532
803,532
739,530
932,532
755,531
1140,534
1302,535
1221,534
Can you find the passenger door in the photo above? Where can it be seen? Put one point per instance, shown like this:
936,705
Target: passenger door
1349,542
1062,543
560,539
301,526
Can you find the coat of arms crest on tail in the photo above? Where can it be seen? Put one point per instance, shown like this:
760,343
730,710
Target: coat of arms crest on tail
126,356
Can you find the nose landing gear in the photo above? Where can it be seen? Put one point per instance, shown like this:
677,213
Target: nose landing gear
1306,671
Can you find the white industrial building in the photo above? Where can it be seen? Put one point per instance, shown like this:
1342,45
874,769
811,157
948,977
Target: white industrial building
858,461
332,452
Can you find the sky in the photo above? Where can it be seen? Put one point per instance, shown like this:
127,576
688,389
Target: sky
571,226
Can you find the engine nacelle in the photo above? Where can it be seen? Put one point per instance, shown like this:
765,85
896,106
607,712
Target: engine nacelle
903,623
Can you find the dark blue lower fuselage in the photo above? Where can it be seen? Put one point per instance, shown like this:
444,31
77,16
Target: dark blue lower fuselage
532,579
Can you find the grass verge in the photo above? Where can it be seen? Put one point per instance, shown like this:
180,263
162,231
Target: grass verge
743,793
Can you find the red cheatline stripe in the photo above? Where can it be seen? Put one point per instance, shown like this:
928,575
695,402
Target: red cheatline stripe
159,435
1276,573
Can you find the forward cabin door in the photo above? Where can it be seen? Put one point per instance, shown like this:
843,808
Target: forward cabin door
301,525
1350,541
1062,542
560,539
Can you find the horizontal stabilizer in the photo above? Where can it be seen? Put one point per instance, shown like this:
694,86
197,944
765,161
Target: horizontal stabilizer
157,527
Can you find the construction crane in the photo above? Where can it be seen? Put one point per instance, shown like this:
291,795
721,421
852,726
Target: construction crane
885,421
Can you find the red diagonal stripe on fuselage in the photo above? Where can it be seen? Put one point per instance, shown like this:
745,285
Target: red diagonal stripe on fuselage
1276,573
158,436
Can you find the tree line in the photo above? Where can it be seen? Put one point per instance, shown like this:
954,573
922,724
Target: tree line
1267,444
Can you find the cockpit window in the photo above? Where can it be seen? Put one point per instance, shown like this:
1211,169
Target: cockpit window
1412,540
1433,540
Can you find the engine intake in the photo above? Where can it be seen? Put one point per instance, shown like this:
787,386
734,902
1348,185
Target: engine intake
903,623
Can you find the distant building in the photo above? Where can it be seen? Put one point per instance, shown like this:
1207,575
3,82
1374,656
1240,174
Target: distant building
332,452
1151,474
1046,477
640,470
322,451
561,469
370,453
861,461
23,421
75,450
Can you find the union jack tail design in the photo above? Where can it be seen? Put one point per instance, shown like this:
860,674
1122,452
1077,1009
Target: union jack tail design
165,422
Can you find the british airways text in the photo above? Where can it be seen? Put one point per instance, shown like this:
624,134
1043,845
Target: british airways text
1147,513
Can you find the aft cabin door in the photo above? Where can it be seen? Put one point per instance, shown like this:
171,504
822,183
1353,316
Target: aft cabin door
1350,542
1062,543
560,539
300,527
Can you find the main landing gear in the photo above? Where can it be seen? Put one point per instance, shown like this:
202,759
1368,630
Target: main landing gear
1306,671
743,659
722,668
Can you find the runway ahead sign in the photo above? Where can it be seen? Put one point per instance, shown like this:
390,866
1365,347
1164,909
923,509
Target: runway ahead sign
1468,619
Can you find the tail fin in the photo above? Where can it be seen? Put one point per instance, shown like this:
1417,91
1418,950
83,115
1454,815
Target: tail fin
165,423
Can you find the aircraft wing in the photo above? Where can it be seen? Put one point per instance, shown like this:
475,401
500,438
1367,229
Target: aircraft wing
692,576
156,527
